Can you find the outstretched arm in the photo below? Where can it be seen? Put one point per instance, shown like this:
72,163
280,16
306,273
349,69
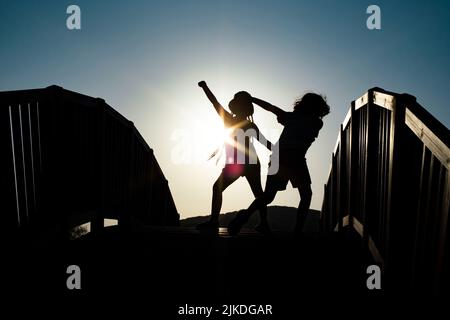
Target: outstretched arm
269,107
261,138
220,110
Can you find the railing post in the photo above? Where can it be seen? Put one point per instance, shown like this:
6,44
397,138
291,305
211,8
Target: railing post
148,218
97,222
353,163
166,191
323,212
443,230
332,193
394,202
341,176
125,215
370,158
54,196
366,210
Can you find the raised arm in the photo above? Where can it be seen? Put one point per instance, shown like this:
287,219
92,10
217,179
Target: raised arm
269,107
220,110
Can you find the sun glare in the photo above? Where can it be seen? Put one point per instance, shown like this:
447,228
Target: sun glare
226,136
210,138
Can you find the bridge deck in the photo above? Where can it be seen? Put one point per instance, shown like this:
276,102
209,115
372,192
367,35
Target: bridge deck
183,264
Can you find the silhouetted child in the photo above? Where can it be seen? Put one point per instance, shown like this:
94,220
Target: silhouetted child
241,158
301,127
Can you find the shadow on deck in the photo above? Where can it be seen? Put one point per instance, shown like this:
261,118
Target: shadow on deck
183,265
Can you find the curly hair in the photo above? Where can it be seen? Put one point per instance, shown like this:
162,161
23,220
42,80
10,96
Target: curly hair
313,104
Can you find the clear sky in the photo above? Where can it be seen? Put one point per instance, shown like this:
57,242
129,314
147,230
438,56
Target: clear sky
146,57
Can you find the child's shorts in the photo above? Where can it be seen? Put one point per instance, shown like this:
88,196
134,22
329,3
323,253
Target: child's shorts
297,173
234,171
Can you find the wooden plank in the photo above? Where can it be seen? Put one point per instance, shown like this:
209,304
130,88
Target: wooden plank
361,101
19,222
359,228
347,118
384,100
436,145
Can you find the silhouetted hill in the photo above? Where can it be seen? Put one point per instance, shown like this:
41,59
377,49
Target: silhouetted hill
280,219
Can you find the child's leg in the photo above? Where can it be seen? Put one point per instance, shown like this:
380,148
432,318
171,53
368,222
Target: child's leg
261,202
303,208
242,217
222,182
273,184
254,180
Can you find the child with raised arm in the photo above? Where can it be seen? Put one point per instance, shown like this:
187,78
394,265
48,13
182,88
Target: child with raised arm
301,128
241,158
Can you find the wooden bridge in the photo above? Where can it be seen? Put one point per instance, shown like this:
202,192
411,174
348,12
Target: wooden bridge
390,182
71,159
386,202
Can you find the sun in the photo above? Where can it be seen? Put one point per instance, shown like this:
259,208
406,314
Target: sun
211,138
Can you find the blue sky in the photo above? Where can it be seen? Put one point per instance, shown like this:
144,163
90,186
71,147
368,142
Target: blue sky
145,58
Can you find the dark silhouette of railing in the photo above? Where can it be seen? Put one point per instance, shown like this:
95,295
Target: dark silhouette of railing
390,181
71,159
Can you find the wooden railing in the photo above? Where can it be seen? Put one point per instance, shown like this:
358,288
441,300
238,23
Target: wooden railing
389,180
69,159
